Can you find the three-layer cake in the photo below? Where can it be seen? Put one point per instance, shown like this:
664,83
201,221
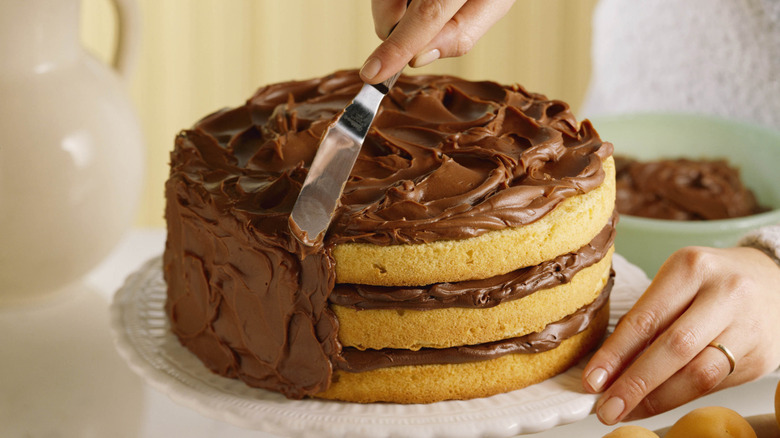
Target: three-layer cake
470,253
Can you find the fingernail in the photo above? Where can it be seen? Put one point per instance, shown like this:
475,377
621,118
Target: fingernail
425,58
610,410
596,379
371,68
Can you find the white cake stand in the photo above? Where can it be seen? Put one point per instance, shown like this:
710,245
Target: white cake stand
144,340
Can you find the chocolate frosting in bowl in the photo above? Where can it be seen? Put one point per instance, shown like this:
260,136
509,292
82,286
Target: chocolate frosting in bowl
445,159
682,189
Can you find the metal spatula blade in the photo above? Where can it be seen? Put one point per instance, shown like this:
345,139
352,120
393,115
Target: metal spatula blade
313,210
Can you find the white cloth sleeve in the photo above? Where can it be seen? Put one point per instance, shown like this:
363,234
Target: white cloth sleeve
766,239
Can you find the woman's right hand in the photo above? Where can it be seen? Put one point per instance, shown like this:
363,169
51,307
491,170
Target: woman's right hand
428,30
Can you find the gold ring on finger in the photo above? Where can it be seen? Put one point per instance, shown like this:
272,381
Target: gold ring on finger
727,352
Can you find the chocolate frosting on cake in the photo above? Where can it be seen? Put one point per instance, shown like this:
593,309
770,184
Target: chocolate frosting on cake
445,159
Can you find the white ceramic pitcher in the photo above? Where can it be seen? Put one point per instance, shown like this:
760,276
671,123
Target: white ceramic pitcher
71,148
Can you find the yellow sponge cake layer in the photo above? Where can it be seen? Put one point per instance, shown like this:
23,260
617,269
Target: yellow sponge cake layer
484,256
431,383
453,326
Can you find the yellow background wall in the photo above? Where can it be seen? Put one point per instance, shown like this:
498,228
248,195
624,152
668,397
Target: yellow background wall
197,56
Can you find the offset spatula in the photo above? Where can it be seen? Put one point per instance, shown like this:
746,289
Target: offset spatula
316,203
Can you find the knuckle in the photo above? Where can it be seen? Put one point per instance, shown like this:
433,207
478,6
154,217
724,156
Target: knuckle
430,9
643,323
649,406
462,40
396,49
463,43
636,387
752,367
691,257
705,378
737,286
684,343
754,324
607,358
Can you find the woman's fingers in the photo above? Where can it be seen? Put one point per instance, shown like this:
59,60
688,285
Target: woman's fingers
461,33
667,297
386,14
708,371
735,303
672,351
422,21
427,30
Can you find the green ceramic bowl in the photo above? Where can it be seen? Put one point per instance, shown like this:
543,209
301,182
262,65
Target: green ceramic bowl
753,149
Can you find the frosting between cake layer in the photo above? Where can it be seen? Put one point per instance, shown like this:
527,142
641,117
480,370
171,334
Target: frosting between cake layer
481,293
550,337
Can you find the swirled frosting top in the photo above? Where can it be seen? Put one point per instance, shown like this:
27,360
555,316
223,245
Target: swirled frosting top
445,158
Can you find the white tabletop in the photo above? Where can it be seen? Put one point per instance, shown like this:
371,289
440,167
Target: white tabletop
61,377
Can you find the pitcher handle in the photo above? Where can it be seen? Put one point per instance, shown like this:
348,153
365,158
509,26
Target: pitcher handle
128,38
